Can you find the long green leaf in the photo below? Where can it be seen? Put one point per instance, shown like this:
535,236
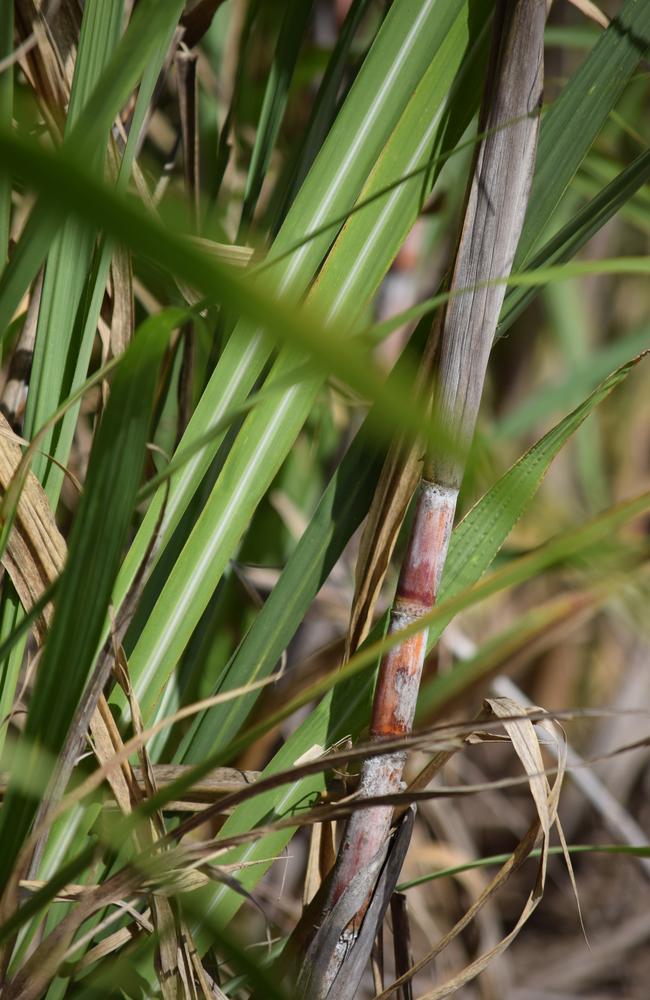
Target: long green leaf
101,526
392,69
364,251
69,258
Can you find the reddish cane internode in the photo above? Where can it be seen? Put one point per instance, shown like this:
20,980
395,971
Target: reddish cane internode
427,549
399,678
399,674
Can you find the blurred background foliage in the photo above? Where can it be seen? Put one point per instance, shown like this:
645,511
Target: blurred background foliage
215,119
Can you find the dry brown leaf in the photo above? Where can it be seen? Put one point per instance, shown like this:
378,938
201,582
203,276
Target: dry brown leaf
36,551
590,10
103,735
123,315
525,742
312,878
48,61
32,979
219,782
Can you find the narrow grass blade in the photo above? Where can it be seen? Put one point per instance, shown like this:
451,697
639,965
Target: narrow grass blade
80,348
69,257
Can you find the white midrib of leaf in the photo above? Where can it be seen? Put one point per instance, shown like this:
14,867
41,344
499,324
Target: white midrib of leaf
195,581
382,220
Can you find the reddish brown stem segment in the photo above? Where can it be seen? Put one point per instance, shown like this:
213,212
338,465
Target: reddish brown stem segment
399,676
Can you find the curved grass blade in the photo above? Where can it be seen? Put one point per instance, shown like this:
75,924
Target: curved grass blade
641,851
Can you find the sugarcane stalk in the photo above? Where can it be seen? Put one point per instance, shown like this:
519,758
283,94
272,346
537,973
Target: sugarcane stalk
494,213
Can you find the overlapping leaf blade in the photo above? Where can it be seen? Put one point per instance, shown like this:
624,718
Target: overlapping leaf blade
363,252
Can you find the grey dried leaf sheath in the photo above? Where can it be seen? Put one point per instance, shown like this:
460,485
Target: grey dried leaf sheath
494,217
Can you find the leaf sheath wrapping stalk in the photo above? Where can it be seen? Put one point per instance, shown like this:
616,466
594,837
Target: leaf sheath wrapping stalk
495,209
494,218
